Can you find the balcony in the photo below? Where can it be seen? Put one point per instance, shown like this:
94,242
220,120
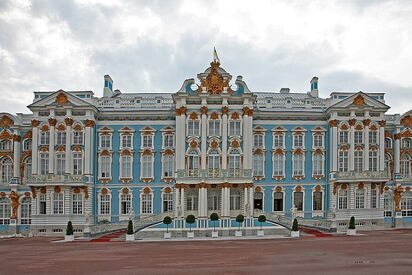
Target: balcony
41,180
214,175
352,176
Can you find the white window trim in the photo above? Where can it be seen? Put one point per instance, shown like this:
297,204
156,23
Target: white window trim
71,202
163,140
121,147
303,166
323,140
100,142
111,168
121,166
303,141
173,168
263,164
123,217
208,126
263,141
273,200
299,213
162,205
323,165
283,166
141,168
187,126
141,193
99,204
241,126
316,213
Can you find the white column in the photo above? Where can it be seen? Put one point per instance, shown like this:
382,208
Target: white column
203,141
177,201
87,150
51,147
35,152
182,201
68,169
334,145
200,202
247,140
204,202
352,147
16,154
223,203
246,200
251,201
366,149
397,157
382,146
224,141
180,138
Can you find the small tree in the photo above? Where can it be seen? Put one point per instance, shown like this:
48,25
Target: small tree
352,223
240,219
295,226
167,220
261,218
190,219
130,228
69,229
214,217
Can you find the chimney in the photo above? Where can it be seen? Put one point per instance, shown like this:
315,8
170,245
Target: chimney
314,87
108,86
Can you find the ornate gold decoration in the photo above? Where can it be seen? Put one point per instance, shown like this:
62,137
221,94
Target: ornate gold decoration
202,185
388,134
373,148
214,144
225,110
373,185
43,190
358,147
77,148
57,189
408,188
382,123
78,127
333,123
125,180
28,134
373,127
16,138
105,191
44,149
2,194
203,110
235,144
235,115
298,177
68,121
359,101
33,191
86,192
318,177
168,152
126,153
76,190
258,152
52,121
105,153
344,148
146,180
258,189
44,128
352,121
366,122
147,152
278,189
34,123
214,115
62,99
397,195
298,188
278,177
335,187
61,127
89,123
61,149
279,152
298,152
358,127
344,127
193,144
6,122
214,82
406,121
14,204
147,190
361,185
181,111
5,134
125,191
318,152
193,115
167,190
344,186
318,188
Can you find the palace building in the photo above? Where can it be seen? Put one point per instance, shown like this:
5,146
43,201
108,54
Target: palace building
212,146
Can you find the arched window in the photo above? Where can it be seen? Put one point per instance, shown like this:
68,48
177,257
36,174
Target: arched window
405,166
388,162
342,199
388,143
406,143
5,211
317,201
234,199
406,204
6,167
193,163
25,211
298,165
27,168
298,200
27,145
5,145
213,162
278,201
258,164
234,162
278,165
317,164
358,160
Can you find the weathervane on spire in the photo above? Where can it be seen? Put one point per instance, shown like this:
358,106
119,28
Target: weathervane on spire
215,56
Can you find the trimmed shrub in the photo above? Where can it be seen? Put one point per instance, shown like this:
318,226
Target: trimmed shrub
69,229
190,219
214,217
130,228
167,220
261,219
240,219
295,226
352,223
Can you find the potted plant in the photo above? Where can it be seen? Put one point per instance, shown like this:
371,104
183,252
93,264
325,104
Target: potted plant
351,229
239,219
167,220
214,217
130,232
190,219
295,229
261,219
69,237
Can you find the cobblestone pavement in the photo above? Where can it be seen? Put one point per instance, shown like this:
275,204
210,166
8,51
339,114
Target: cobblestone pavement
375,252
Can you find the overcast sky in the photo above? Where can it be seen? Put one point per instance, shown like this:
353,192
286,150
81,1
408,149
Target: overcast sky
154,46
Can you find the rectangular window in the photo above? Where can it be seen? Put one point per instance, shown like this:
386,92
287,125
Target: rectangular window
278,141
234,128
373,160
343,199
147,141
42,204
214,127
126,167
125,204
147,166
358,161
105,141
235,200
297,141
343,161
298,200
168,168
298,163
406,204
387,204
358,137
77,203
77,164
60,163
127,141
258,163
57,203
278,201
167,202
146,203
213,202
44,138
105,167
104,204
192,203
5,211
374,198
373,137
343,137
193,128
61,138
317,201
258,141
25,211
317,164
44,163
278,165
168,141
359,198
318,141
77,138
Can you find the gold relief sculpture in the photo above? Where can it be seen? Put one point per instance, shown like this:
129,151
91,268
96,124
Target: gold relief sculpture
126,153
366,122
193,115
27,194
318,177
62,99
352,121
397,195
76,190
61,127
78,127
344,186
6,122
2,194
406,121
225,110
181,111
358,127
214,144
168,152
77,148
147,152
359,101
258,189
278,177
278,189
125,180
344,127
105,191
5,135
373,127
147,190
235,144
373,185
43,190
333,123
344,148
61,149
28,134
89,123
382,123
33,191
125,191
279,152
335,188
86,192
408,188
235,115
193,144
361,185
214,82
203,110
388,134
57,189
68,121
52,121
14,204
17,138
318,152
298,188
167,190
318,188
214,115
258,152
298,152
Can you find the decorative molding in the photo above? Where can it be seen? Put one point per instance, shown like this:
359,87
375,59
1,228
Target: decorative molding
333,123
203,110
406,121
382,123
366,122
89,123
52,121
358,101
225,110
6,122
352,121
181,111
62,99
68,121
214,82
34,123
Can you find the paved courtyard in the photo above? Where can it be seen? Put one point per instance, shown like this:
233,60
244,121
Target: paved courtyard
382,252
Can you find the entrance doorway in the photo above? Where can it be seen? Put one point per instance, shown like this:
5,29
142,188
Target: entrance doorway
258,200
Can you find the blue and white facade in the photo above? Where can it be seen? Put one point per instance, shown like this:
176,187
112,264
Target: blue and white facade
212,146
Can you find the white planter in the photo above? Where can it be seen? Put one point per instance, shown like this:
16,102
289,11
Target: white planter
294,234
215,234
130,237
190,234
238,233
260,233
167,235
351,232
69,238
